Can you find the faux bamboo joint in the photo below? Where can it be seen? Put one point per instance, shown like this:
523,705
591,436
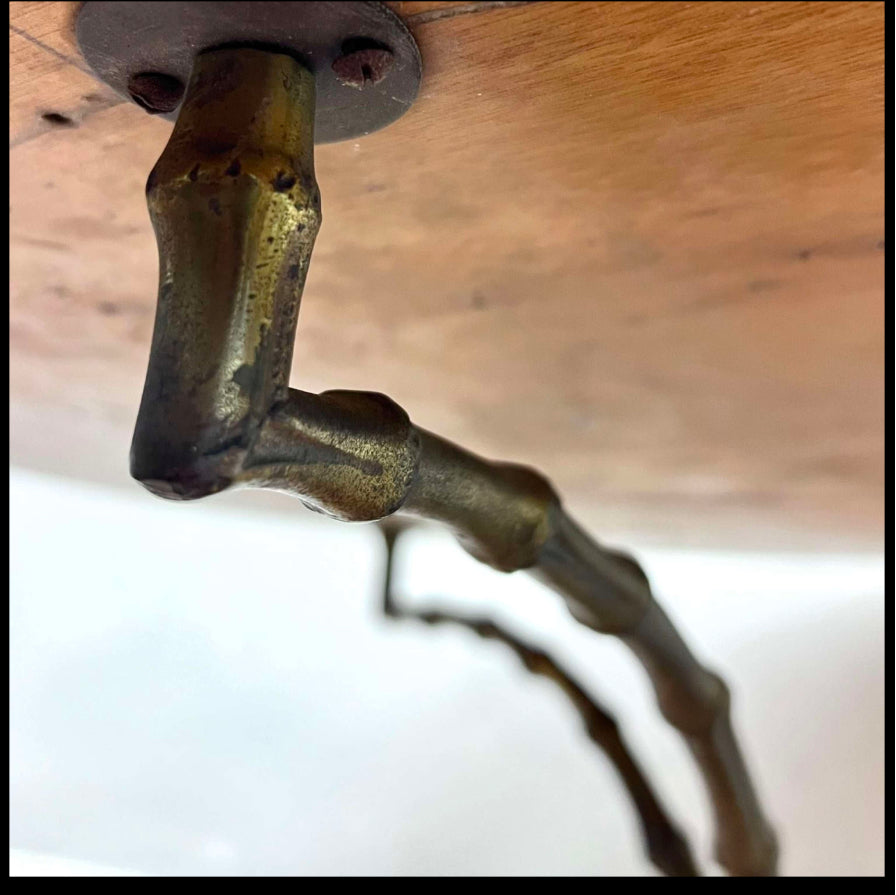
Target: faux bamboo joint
236,209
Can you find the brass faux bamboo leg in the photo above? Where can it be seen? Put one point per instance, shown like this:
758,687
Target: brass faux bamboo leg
236,208
665,844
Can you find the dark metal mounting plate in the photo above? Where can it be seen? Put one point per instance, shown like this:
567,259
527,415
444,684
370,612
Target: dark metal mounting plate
123,39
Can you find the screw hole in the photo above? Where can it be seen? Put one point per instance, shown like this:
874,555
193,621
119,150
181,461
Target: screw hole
58,119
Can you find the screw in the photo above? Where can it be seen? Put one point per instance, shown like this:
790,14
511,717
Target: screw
157,93
365,66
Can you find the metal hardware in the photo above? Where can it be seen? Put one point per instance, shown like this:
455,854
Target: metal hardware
236,208
122,40
369,65
665,844
156,93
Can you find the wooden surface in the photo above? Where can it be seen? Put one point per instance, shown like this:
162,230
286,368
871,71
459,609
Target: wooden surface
638,245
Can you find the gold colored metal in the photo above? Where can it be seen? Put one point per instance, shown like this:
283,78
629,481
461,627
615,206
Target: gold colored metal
236,209
666,846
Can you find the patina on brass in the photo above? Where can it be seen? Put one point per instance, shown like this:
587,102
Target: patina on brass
666,846
236,209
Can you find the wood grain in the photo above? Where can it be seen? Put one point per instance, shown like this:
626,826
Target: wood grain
638,245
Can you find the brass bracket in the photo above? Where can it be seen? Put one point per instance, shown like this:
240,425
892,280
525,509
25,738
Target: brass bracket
236,209
364,60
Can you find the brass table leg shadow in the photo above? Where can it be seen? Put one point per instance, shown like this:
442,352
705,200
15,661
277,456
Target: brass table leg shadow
236,209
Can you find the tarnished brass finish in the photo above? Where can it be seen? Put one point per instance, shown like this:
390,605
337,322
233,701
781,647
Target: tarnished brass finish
666,846
236,209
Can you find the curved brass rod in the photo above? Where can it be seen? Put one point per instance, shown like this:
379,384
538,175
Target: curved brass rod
236,209
665,844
